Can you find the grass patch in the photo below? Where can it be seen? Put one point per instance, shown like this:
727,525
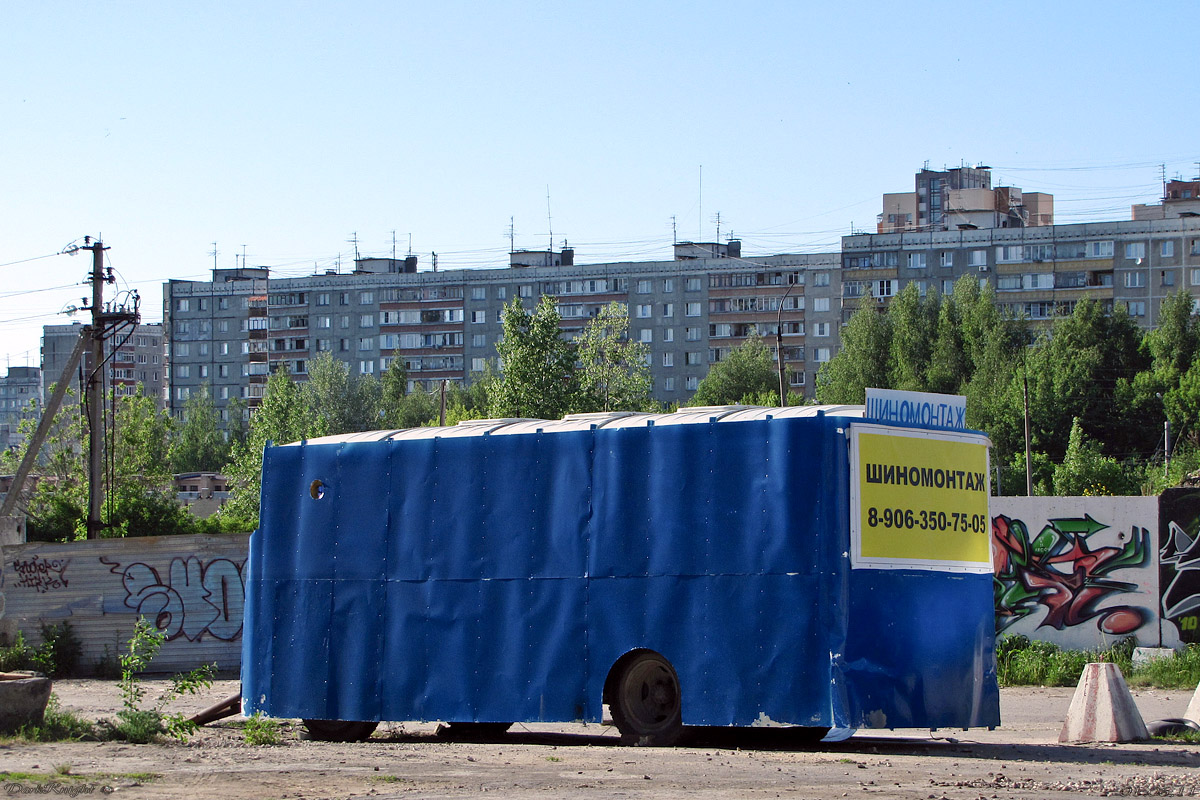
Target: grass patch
58,725
1021,661
1190,737
62,773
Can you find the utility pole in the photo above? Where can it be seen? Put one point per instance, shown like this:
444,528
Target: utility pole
95,391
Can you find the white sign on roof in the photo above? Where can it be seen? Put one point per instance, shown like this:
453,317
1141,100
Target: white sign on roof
947,411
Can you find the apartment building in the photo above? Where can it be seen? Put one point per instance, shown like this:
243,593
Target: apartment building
691,312
962,198
1038,272
133,363
20,399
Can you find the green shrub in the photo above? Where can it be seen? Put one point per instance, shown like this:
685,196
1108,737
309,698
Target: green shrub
60,651
17,655
143,725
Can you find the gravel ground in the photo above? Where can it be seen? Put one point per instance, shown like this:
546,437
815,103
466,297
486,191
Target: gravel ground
1022,759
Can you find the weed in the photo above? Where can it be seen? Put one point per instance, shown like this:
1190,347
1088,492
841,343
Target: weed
1181,670
142,725
555,759
260,730
107,666
1024,662
390,779
58,725
1191,737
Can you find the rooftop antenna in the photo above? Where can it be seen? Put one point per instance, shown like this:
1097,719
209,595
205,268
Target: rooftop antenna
243,256
393,244
512,236
717,219
700,212
1162,172
674,231
549,220
213,253
410,244
354,241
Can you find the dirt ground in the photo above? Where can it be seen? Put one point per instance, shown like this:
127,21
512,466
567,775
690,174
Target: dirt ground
1022,759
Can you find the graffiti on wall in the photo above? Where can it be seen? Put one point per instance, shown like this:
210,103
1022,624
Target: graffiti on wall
41,574
195,598
1179,561
1066,572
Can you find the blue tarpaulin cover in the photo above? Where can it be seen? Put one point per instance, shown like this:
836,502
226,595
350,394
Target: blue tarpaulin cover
499,578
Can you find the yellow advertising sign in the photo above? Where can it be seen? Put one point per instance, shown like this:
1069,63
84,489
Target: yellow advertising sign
919,499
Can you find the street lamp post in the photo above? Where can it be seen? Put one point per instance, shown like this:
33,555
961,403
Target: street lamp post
779,345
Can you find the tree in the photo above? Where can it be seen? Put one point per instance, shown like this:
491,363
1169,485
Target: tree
1085,471
748,370
340,402
198,444
614,375
863,360
539,379
914,330
283,417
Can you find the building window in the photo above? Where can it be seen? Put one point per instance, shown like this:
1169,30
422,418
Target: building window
644,311
1135,250
183,349
668,359
692,383
948,258
820,354
183,371
366,343
691,334
1137,308
478,364
1195,279
693,285
182,305
223,303
644,287
1166,248
692,309
501,292
668,384
916,261
479,293
668,310
366,298
525,290
691,358
646,335
669,335
1135,280
1167,278
366,321
478,340
820,329
366,367
324,322
884,288
669,285
820,304
1038,280
343,298
478,317
821,279
1099,249
977,258
323,298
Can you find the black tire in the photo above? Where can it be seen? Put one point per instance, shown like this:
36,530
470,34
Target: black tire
646,704
338,730
472,731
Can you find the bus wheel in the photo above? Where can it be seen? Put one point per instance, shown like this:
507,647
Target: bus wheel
645,703
336,730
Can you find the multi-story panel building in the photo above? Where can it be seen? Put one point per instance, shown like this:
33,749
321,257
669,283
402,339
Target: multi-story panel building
20,399
962,198
133,360
690,311
1038,272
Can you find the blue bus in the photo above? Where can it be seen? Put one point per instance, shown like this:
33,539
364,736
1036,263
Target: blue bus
731,566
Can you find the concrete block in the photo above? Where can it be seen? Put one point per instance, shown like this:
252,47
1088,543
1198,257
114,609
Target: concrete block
1102,709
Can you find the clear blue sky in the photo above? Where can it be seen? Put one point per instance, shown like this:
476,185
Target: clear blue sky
289,127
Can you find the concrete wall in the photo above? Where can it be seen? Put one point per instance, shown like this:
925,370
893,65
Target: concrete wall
189,586
1081,572
1179,563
